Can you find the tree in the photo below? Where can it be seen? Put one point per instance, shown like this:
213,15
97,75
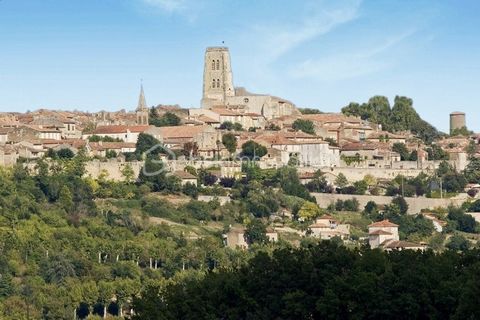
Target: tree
341,180
206,178
105,294
402,204
464,222
371,208
287,178
458,242
308,211
65,153
190,190
435,152
146,142
128,173
360,187
65,199
351,205
190,149
454,182
230,142
472,171
319,184
110,154
256,232
272,127
253,150
58,269
309,111
166,120
231,126
304,125
401,149
402,116
463,131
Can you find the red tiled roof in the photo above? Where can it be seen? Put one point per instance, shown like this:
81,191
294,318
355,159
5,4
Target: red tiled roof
119,129
383,223
327,216
184,175
380,232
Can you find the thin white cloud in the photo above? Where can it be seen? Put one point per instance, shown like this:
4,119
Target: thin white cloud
278,39
169,6
346,66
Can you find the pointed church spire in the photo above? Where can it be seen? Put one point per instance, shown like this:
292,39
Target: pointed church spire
142,102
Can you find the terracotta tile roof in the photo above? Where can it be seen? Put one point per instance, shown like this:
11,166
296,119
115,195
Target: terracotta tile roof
385,134
327,216
180,131
116,129
319,225
383,223
380,232
40,129
306,175
207,119
356,146
111,145
184,175
51,141
224,111
5,130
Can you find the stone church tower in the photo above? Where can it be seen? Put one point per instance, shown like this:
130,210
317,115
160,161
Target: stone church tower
142,109
217,77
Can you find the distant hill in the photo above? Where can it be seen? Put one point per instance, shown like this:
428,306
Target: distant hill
401,117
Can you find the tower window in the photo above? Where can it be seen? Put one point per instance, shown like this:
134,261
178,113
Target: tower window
218,64
213,64
213,83
218,83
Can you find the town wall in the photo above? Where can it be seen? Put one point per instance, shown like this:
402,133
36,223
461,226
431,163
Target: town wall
415,205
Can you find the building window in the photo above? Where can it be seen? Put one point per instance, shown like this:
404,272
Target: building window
213,64
218,64
218,83
213,83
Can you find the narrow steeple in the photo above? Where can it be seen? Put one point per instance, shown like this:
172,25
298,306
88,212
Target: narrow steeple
142,102
142,111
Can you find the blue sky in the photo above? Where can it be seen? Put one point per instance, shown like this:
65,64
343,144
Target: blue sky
91,54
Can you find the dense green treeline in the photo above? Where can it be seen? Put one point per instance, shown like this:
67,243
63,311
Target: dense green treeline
326,281
399,117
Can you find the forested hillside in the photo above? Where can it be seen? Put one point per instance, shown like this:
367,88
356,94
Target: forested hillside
326,282
399,117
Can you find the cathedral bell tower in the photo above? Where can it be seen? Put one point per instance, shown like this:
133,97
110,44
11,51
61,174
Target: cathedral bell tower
217,77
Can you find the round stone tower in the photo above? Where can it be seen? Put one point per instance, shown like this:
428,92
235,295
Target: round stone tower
457,120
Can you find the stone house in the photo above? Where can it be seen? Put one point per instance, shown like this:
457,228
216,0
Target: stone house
29,132
125,133
185,177
388,137
384,234
235,238
326,227
101,148
205,137
8,155
381,232
307,150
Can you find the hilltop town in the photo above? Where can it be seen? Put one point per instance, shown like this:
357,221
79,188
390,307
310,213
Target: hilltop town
146,194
